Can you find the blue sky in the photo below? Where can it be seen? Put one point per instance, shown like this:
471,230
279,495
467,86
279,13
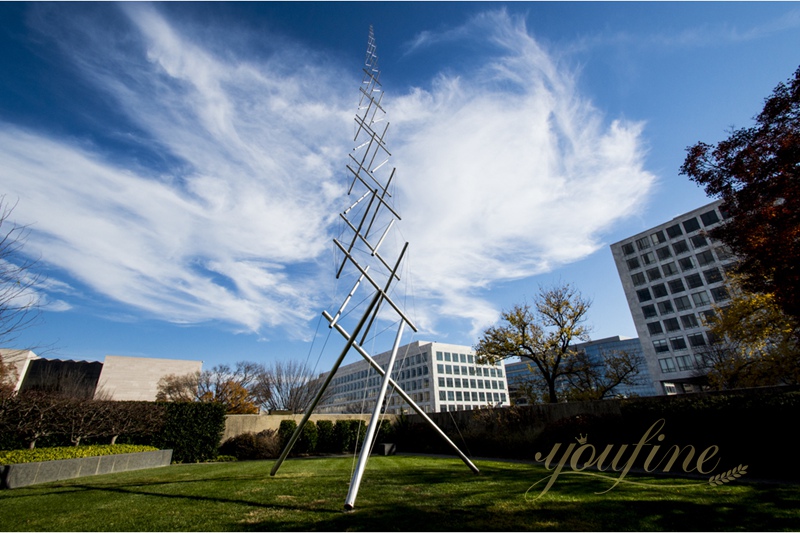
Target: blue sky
182,166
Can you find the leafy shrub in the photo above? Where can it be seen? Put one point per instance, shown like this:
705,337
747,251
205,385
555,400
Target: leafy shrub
350,434
307,442
326,438
68,452
250,446
192,430
285,431
226,459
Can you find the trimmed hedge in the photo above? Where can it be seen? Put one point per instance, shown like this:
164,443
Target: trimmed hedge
192,430
13,457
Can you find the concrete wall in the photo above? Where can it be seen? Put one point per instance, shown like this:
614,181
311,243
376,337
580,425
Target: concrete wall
238,424
136,378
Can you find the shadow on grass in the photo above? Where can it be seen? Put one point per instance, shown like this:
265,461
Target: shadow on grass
420,495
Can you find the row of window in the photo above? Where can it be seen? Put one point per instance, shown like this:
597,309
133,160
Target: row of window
471,370
471,383
455,357
702,258
691,225
679,343
720,294
680,362
457,396
672,324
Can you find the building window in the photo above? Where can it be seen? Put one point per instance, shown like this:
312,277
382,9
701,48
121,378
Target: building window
480,383
659,291
441,382
720,294
697,339
653,274
499,373
658,237
472,383
671,324
674,231
680,247
665,307
458,396
648,258
449,382
663,253
698,241
649,311
705,257
440,369
669,269
676,286
677,343
457,382
667,365
643,243
682,303
447,356
451,397
694,281
448,369
701,298
439,356
442,395
643,295
471,359
661,346
709,218
689,321
691,225
456,371
474,396
654,328
712,275
465,383
684,362
627,248
686,263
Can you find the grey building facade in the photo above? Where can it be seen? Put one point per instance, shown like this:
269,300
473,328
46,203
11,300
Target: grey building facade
673,275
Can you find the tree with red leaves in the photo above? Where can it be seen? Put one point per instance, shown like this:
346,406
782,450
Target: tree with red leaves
756,172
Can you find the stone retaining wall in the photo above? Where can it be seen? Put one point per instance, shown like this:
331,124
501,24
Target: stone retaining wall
23,474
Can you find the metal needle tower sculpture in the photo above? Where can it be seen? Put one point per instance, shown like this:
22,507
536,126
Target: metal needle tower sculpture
369,220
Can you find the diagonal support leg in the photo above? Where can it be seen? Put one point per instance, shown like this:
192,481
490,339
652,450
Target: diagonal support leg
324,386
366,447
405,396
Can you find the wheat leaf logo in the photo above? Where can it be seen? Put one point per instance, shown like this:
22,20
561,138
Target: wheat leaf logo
727,477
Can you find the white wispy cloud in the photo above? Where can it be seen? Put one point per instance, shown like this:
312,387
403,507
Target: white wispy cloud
509,172
504,172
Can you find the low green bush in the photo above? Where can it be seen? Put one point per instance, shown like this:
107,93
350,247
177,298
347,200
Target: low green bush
36,455
326,439
285,431
192,430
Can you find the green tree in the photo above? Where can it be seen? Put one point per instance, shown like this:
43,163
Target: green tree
543,334
754,342
756,172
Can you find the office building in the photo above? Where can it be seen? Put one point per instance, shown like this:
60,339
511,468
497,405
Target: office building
437,376
519,373
673,275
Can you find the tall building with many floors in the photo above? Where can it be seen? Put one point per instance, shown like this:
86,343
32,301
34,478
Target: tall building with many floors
437,376
673,275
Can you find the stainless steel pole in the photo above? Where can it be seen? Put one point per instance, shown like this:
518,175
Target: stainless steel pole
324,386
405,396
366,447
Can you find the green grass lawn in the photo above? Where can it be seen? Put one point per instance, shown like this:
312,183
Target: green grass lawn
399,493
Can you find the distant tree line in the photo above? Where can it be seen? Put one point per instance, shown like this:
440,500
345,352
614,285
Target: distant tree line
246,387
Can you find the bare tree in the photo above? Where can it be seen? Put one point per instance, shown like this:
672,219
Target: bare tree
288,385
19,303
597,378
179,388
